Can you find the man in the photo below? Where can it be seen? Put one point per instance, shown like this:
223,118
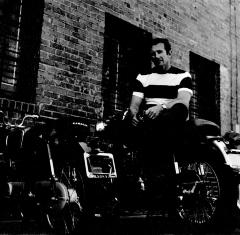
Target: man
164,94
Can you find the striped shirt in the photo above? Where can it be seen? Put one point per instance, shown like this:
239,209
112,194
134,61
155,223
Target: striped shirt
161,88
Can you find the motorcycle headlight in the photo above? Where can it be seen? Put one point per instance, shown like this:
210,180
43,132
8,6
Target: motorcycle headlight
100,126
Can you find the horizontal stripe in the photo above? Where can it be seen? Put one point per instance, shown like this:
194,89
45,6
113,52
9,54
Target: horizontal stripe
169,92
155,101
186,89
138,94
162,79
162,88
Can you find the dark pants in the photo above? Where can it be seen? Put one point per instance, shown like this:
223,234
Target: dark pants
159,138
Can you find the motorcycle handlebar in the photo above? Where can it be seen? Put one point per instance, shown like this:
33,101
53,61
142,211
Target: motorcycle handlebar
141,116
28,116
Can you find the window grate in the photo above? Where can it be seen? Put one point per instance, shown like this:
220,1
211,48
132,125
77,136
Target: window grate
10,21
205,102
20,37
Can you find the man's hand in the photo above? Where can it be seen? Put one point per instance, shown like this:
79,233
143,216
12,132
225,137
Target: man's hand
135,121
154,111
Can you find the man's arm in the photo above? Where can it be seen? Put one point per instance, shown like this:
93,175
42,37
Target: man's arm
134,108
184,92
183,97
135,104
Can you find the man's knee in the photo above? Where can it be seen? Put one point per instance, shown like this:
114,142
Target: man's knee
174,117
179,111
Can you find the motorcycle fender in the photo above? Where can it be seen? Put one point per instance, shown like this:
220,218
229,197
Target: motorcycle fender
52,194
231,157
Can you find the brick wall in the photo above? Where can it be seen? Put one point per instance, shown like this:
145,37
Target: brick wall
71,59
70,70
16,110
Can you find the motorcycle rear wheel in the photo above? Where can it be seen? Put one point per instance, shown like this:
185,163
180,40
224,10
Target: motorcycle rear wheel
202,200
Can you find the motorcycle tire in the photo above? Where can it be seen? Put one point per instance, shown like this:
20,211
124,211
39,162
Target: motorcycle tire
205,199
71,218
66,221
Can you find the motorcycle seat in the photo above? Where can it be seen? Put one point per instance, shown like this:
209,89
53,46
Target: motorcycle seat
204,127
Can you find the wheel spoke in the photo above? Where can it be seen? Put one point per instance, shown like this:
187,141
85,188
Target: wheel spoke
198,192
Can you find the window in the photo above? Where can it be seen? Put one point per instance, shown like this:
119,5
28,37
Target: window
20,23
206,88
126,53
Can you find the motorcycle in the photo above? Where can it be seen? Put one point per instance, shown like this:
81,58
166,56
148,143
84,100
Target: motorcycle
33,184
206,176
71,178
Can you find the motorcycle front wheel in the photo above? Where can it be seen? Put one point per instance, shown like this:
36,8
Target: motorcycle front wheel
70,219
203,202
66,221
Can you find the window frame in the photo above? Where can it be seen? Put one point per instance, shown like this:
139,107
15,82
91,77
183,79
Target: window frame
19,64
205,102
126,54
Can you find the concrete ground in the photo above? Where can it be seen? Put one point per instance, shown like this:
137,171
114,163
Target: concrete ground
124,226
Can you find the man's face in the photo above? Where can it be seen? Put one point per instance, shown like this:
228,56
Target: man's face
159,56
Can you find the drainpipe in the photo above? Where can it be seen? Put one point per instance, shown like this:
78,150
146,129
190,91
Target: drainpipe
236,64
231,65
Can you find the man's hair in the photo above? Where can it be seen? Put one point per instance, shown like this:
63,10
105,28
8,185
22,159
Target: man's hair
165,41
